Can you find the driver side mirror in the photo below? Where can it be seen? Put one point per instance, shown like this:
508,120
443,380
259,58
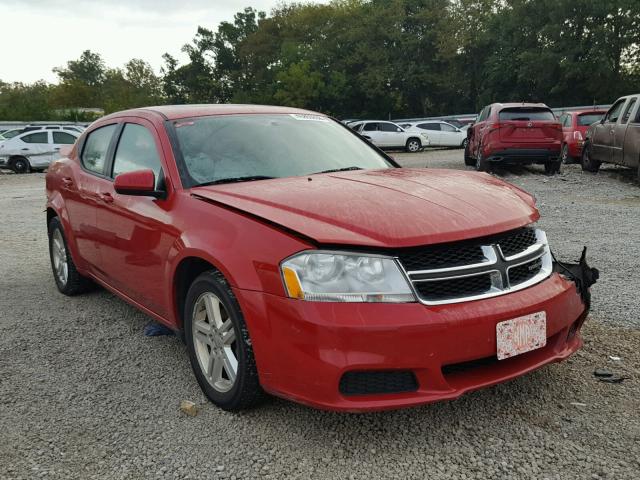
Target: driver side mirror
141,183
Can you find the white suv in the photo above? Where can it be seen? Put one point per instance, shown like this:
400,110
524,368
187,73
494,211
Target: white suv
441,134
390,135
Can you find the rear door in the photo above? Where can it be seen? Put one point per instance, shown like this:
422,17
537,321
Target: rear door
620,132
604,132
528,125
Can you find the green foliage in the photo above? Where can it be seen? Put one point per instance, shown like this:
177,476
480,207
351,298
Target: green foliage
371,58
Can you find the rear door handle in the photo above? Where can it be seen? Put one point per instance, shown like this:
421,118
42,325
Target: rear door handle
106,197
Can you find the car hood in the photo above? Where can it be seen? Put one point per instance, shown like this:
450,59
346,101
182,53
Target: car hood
388,208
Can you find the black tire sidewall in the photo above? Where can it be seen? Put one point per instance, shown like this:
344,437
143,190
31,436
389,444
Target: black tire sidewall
54,225
211,282
22,161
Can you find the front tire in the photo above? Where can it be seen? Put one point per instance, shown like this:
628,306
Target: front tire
589,164
20,165
218,343
413,145
67,278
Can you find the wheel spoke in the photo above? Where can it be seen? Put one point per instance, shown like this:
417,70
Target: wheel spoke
230,363
212,304
211,364
216,372
227,332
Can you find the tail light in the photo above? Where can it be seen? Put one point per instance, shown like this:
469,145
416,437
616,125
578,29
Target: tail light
577,136
494,126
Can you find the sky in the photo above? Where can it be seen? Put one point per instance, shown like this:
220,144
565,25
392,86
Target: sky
38,35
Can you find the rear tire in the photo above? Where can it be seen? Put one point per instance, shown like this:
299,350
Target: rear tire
481,164
67,278
589,164
564,155
20,165
468,160
218,343
551,168
413,145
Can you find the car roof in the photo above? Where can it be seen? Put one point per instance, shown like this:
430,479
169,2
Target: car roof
580,112
174,112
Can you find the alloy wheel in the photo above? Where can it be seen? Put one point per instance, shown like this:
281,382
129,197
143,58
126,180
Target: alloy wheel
214,339
59,255
414,146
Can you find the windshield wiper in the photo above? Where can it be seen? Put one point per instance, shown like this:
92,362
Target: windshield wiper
249,178
345,169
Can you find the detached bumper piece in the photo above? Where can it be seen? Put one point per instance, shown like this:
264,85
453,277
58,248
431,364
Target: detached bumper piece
581,274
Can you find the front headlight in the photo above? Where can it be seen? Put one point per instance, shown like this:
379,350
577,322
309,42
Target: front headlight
343,277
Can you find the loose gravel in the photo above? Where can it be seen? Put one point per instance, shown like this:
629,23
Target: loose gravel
84,394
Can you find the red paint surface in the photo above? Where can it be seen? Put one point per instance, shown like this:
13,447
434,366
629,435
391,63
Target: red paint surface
133,246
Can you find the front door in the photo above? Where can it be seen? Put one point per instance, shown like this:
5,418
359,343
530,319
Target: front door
135,232
604,132
621,131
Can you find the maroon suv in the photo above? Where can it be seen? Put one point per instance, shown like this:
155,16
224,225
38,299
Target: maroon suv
514,133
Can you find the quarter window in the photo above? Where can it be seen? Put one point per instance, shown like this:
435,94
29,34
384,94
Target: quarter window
63,138
136,151
95,149
40,137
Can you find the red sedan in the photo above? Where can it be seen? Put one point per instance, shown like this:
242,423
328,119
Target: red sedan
297,259
574,129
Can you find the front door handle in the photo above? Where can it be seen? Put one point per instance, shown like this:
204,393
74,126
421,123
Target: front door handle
106,197
25,149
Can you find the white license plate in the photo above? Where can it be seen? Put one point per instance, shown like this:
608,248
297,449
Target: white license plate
520,335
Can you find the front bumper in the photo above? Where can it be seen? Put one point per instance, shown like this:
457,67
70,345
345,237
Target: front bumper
524,156
304,348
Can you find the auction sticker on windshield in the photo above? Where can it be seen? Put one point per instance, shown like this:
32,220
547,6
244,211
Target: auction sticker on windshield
520,335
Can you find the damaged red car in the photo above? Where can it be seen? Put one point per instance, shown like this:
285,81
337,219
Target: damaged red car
297,259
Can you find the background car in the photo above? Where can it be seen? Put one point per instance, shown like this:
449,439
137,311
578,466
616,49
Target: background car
34,150
574,128
7,134
390,135
71,128
515,133
616,137
441,134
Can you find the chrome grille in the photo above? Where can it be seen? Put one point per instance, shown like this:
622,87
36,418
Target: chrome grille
474,270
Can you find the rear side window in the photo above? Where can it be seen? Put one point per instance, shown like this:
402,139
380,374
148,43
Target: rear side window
40,137
526,114
429,126
627,112
94,153
136,151
63,138
587,119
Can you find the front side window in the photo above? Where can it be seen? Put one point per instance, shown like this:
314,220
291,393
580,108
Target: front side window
218,148
136,151
370,127
63,138
40,137
628,110
445,127
389,127
94,153
614,112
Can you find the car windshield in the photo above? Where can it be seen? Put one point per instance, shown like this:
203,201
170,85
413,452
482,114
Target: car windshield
11,133
586,119
233,147
526,113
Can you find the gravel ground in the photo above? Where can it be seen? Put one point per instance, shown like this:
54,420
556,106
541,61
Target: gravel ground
83,394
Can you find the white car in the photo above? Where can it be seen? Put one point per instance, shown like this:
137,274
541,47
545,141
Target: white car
34,150
390,135
441,134
70,128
